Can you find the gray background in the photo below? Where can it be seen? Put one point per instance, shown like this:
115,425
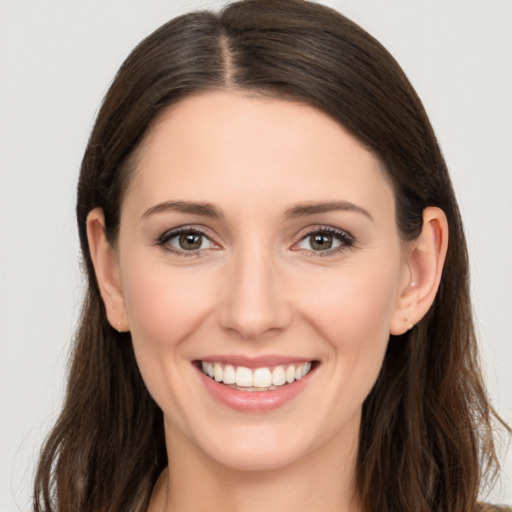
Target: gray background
56,61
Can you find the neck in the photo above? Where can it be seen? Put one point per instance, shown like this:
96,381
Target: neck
321,480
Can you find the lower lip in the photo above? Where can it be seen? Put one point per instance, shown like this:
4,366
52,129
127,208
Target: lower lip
254,401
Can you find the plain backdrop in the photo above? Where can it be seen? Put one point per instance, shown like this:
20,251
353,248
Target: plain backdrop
57,58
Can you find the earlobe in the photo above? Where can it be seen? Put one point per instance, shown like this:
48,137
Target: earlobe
106,268
425,261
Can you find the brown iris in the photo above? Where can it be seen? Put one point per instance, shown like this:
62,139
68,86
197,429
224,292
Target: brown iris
321,241
190,240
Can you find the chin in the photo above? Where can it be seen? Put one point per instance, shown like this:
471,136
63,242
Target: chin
258,449
256,460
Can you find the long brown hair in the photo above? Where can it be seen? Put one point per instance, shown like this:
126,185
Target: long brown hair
426,441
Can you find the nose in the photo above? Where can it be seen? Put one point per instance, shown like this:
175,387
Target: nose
254,301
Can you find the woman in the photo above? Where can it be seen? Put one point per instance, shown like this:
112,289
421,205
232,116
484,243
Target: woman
278,311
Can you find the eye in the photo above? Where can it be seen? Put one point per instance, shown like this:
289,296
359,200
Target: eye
326,240
185,240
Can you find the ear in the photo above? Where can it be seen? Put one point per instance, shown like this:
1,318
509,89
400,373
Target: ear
106,268
424,267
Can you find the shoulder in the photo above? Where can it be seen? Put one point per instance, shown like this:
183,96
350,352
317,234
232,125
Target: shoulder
484,507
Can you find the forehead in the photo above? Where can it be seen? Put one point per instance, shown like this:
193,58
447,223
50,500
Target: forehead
220,146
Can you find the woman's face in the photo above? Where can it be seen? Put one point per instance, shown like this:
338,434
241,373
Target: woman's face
258,242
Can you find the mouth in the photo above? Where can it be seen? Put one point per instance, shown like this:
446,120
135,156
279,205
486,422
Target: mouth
264,378
256,385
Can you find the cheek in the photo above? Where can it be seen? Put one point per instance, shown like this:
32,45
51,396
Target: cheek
352,310
352,313
164,309
164,306
359,299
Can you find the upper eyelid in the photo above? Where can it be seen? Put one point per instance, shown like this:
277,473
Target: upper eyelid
321,228
172,232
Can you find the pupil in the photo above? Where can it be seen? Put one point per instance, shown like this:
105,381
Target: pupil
321,241
190,241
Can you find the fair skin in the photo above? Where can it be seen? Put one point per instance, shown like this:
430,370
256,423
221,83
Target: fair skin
288,254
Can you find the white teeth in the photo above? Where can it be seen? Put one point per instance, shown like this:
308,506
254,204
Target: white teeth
262,378
278,376
229,374
290,374
217,372
259,379
243,377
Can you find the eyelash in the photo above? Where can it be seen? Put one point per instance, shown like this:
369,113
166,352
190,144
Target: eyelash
163,240
345,239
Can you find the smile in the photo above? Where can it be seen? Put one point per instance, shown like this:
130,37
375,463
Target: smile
256,379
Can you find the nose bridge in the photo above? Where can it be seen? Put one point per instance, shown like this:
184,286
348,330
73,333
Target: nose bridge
254,299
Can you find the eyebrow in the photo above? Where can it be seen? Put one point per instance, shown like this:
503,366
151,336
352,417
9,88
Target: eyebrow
204,209
302,210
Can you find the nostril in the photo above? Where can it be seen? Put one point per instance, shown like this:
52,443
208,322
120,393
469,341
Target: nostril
253,323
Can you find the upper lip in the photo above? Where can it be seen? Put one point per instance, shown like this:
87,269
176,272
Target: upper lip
255,362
